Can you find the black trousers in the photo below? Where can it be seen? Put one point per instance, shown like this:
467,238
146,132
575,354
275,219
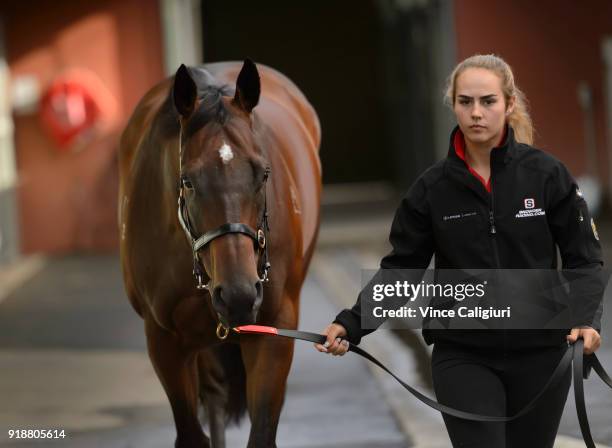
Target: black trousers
498,382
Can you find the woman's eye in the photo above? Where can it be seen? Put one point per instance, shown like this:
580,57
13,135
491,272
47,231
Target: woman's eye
464,102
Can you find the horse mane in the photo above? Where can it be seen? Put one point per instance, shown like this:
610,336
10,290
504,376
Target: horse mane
211,108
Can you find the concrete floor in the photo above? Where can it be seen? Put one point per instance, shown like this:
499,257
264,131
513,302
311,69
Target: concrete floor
72,357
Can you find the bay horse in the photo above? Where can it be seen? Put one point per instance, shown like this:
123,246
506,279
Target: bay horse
236,147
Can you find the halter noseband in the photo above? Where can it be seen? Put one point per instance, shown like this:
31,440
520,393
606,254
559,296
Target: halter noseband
199,242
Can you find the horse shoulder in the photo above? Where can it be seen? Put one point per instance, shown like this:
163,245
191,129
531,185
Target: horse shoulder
294,154
130,146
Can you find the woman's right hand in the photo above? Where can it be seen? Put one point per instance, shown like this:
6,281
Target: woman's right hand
334,345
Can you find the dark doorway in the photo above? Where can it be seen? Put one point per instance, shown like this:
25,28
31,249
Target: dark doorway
332,51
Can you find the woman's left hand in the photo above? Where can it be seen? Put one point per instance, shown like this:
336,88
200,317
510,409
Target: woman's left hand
592,339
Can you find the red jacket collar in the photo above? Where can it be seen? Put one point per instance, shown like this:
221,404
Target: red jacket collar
459,145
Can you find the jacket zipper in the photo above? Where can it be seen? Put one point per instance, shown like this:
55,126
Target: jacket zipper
492,235
492,228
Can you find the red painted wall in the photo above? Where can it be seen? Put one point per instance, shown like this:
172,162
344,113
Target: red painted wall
552,45
67,200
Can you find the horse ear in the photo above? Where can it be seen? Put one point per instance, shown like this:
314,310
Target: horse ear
247,86
184,92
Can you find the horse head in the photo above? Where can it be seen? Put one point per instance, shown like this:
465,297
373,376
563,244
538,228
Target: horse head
223,173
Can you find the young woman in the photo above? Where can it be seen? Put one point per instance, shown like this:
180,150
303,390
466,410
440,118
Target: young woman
490,172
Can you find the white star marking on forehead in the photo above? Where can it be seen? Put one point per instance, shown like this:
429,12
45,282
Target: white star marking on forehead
226,153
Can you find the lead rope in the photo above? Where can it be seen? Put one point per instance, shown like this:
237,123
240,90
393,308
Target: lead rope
582,372
574,352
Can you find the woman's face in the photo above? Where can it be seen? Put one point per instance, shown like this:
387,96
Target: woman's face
480,106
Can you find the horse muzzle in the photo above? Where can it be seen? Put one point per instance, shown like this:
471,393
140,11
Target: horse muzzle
237,303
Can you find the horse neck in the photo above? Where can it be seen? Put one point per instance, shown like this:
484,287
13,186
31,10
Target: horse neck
159,175
169,159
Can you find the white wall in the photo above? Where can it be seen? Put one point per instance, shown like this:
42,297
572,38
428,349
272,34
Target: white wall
182,28
8,172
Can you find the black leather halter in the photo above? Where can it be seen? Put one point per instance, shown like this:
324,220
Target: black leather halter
199,242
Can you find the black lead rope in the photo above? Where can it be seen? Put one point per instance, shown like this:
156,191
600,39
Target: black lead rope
573,353
579,374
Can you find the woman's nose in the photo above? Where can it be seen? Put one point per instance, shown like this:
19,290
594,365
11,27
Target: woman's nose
476,111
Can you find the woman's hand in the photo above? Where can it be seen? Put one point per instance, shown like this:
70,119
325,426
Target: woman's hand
334,344
592,339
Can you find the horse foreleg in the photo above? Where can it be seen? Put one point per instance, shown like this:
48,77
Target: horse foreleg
177,371
267,361
214,396
216,419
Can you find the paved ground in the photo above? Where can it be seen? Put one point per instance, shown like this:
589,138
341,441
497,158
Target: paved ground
344,265
72,356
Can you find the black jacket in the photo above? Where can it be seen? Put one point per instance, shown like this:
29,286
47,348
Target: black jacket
448,212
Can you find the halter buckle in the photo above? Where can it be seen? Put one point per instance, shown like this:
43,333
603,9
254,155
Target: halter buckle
200,284
265,278
222,331
198,274
261,238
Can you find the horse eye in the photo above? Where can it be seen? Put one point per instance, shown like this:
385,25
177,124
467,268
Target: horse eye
187,183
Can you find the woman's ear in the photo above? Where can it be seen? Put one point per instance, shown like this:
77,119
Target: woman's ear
510,106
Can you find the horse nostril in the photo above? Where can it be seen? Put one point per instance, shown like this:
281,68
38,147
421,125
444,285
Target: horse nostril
217,291
258,295
217,297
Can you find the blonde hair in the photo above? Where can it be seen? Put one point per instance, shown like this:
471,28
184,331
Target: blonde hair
519,119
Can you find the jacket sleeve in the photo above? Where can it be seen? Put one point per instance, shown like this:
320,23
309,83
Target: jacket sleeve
412,248
576,236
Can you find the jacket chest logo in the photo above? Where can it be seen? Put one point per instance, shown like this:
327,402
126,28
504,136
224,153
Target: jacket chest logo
529,209
458,215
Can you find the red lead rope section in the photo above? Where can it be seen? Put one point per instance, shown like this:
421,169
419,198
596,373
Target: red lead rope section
257,329
574,353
